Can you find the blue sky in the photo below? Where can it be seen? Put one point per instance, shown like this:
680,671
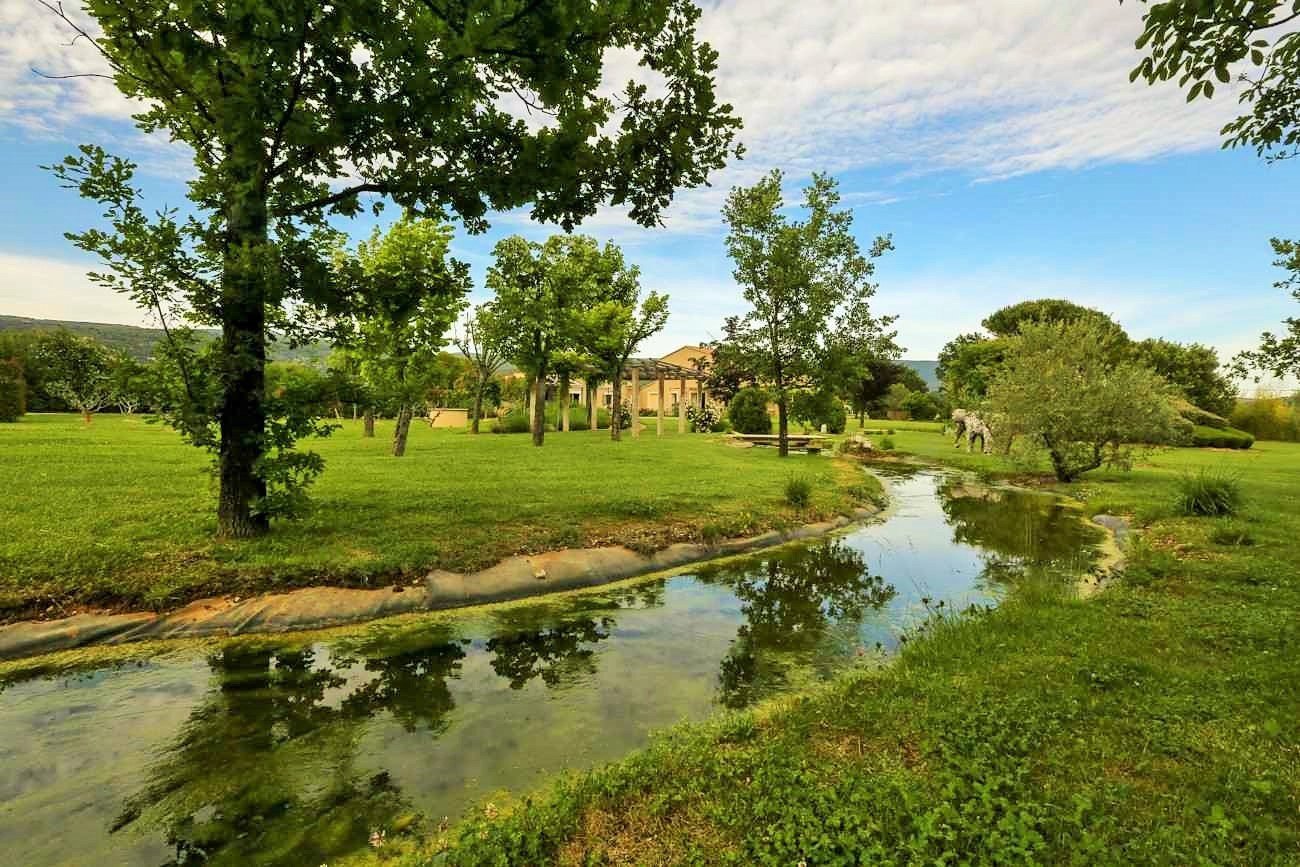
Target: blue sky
1003,169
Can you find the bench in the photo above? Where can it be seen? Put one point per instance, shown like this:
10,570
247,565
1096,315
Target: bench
810,443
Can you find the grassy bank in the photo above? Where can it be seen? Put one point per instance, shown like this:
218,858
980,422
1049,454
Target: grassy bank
1152,724
121,512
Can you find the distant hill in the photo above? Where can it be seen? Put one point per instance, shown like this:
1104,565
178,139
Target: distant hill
139,342
926,369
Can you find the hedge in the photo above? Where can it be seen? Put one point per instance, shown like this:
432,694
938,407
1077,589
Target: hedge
1212,438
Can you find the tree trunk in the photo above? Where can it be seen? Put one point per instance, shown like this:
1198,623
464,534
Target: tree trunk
368,422
782,426
403,428
594,423
616,409
241,411
478,409
539,408
85,416
564,403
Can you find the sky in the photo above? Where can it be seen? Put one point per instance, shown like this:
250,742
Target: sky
1000,143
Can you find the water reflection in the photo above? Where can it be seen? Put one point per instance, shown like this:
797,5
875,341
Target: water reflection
294,750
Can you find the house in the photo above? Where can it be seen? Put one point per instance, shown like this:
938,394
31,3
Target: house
686,358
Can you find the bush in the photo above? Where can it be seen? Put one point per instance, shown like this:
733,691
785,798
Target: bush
515,421
748,412
886,444
13,391
1268,418
816,408
1208,494
1213,438
1198,416
798,491
702,420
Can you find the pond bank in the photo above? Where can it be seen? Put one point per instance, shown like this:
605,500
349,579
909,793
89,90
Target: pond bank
323,607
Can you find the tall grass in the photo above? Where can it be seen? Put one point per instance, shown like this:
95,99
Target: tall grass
1209,493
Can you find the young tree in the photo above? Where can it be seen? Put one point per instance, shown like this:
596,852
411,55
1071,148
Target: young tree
612,331
416,291
1060,390
295,112
806,282
77,370
540,290
480,340
130,383
13,390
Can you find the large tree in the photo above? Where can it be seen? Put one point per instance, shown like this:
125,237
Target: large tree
541,288
1060,391
1257,42
1191,368
415,291
611,331
806,281
297,112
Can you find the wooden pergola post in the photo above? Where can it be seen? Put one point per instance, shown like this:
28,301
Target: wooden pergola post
681,408
634,402
591,404
564,403
659,421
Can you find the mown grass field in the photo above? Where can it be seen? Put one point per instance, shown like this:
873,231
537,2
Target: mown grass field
1156,723
121,512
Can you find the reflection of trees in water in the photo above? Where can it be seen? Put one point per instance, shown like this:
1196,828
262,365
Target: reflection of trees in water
1014,528
790,601
265,771
560,653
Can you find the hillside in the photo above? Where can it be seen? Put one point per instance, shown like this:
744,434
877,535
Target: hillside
139,342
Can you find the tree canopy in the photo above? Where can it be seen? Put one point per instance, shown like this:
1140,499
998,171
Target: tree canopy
297,112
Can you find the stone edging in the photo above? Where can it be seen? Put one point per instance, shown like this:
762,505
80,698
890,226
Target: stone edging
323,607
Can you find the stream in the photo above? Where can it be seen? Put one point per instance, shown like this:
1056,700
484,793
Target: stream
295,749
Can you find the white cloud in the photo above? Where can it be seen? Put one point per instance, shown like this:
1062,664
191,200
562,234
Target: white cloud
46,288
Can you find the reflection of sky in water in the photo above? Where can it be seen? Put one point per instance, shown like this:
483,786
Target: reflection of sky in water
277,751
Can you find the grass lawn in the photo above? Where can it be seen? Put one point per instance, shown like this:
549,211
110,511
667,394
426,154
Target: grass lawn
121,512
1155,723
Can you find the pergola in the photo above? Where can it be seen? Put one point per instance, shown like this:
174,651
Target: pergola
638,369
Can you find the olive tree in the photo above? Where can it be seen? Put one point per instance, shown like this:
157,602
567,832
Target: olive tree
1061,391
298,113
807,284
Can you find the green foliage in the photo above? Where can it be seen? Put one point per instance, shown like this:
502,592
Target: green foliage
75,369
747,411
13,390
1062,391
886,444
1193,370
1216,438
297,114
1279,355
515,421
807,284
1009,321
922,405
816,408
1269,418
1198,416
1232,534
870,381
1204,44
798,491
1208,493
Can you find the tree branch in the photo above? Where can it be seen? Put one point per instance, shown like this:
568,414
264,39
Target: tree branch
335,198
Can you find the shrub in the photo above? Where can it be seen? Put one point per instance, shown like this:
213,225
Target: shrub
13,391
798,491
886,444
702,420
1198,416
1208,493
748,412
1268,418
1213,438
515,421
816,408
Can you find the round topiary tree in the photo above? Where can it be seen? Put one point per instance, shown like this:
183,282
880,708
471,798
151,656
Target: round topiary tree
13,390
747,412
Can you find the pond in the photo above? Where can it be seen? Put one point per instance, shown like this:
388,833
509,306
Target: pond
294,749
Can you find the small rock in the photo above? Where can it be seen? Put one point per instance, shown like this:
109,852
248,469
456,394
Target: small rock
540,574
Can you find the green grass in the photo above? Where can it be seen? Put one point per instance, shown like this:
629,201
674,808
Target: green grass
1154,723
121,512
